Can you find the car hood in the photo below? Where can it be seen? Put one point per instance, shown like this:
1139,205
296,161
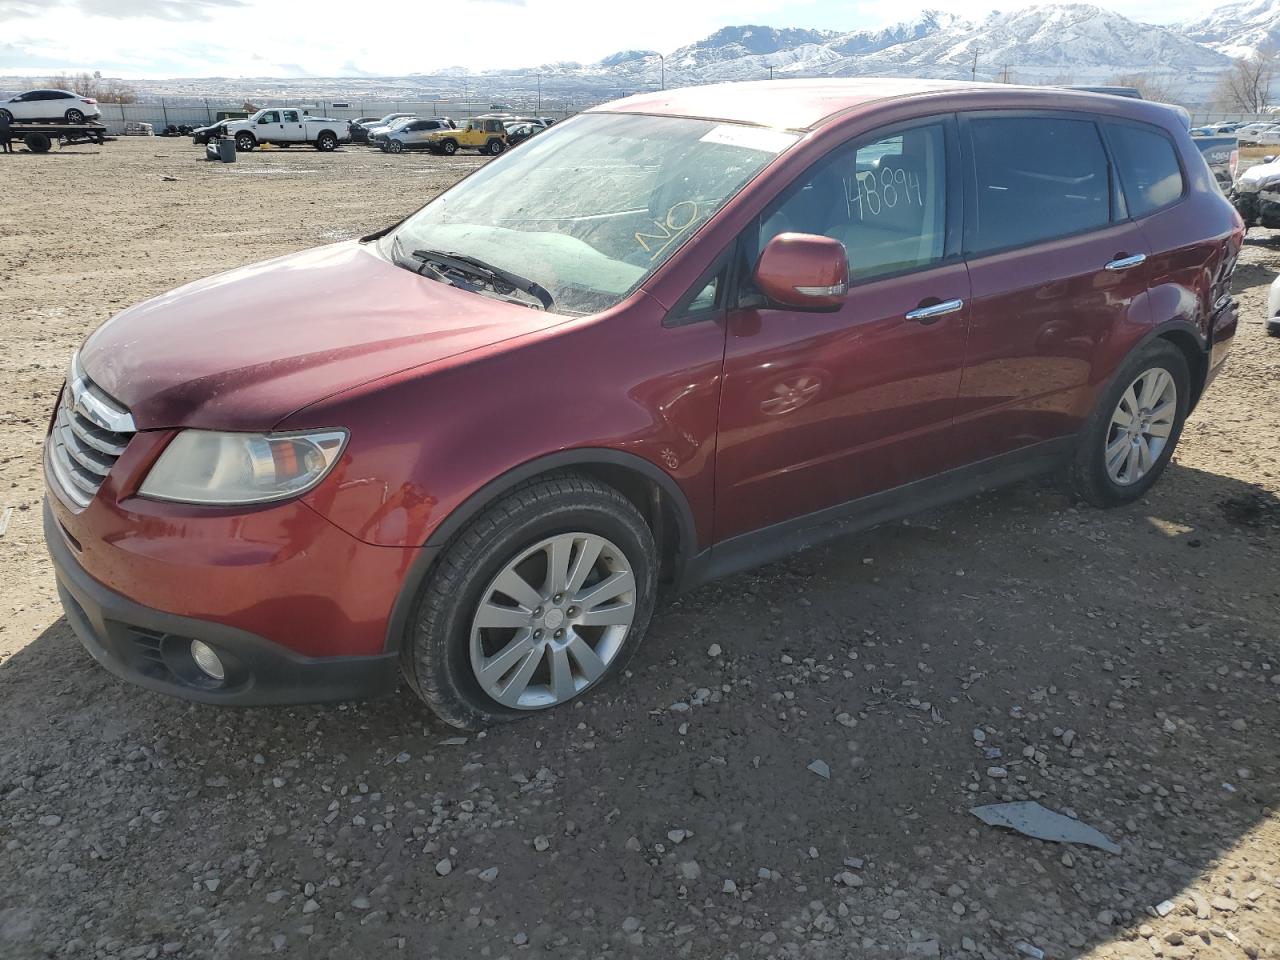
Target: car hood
243,350
1259,174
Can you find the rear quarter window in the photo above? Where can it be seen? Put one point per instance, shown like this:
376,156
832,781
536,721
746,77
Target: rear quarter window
1147,164
1034,179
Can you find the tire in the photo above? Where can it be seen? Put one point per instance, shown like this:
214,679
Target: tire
441,641
245,141
326,142
6,115
495,147
395,146
38,142
449,147
1273,327
74,116
1091,478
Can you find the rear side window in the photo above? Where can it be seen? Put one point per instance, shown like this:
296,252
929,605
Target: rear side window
1148,167
1034,179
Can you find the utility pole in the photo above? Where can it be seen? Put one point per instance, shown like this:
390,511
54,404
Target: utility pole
539,110
662,68
973,69
771,73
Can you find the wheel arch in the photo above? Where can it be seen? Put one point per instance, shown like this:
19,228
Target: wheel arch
1191,342
332,133
653,492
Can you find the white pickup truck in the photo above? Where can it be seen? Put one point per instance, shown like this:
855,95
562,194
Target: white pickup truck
285,126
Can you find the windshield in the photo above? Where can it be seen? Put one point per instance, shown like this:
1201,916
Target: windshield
593,206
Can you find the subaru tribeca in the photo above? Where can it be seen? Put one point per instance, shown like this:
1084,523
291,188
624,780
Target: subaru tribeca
674,337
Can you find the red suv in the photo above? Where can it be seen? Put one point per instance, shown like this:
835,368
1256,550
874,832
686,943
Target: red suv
674,337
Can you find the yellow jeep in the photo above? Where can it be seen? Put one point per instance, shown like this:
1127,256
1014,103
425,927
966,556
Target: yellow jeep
485,134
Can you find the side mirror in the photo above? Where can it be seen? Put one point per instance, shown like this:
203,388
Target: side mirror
804,271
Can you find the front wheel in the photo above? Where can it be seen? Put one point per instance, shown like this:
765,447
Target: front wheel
75,116
245,142
6,116
545,595
395,146
450,147
1131,435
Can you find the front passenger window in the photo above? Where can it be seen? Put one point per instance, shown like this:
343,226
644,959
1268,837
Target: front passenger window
884,200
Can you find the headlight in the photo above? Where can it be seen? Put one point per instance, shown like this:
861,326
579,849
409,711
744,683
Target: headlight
203,466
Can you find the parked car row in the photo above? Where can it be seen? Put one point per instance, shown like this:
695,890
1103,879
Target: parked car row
488,134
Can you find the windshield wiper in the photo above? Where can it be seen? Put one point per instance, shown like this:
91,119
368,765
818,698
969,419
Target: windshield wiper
503,281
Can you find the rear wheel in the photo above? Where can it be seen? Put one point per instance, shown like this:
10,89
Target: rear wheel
1131,436
75,116
542,597
495,147
326,142
245,142
6,116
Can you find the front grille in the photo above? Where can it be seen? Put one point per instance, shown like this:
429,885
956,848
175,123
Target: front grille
89,433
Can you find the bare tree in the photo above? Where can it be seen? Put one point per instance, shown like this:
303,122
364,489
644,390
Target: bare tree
1246,86
93,86
1162,89
117,91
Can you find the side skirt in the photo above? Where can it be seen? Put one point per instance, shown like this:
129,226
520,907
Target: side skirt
759,547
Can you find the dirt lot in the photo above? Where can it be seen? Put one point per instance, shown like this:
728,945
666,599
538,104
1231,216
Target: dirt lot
1126,665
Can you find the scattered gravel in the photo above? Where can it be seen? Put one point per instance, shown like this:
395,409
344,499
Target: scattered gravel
1122,675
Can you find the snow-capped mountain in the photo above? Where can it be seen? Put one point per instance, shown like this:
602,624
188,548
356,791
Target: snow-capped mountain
1238,29
1058,43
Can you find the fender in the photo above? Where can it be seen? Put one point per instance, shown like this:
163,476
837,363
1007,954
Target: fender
402,609
567,459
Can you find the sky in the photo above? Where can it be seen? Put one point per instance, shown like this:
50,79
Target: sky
328,38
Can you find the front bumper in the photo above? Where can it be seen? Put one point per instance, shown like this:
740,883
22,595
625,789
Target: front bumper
152,648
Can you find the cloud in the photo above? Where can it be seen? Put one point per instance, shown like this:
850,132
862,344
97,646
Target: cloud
23,8
177,11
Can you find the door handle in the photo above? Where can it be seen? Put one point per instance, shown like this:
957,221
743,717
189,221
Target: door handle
1124,263
931,313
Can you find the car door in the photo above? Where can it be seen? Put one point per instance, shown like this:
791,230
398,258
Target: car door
416,133
30,106
1054,267
292,127
818,409
268,126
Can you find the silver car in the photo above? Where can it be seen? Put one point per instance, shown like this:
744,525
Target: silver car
412,135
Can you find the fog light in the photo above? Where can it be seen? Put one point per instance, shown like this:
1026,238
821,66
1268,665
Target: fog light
207,660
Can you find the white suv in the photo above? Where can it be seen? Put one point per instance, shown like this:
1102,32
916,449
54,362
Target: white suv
53,106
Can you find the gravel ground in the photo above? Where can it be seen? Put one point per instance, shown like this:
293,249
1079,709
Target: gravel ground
1125,664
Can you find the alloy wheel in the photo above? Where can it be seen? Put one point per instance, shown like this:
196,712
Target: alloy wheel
552,620
1140,426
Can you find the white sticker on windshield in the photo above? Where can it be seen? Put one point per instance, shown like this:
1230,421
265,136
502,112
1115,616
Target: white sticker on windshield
750,138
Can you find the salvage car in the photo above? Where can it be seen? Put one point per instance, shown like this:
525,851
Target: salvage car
50,106
483,134
672,338
360,129
287,126
1273,308
412,134
1256,194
